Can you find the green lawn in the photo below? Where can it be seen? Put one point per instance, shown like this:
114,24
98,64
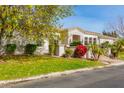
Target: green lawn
121,55
24,66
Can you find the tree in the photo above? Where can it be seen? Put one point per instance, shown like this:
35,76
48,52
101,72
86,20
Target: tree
107,47
117,27
9,16
96,50
116,47
63,36
32,22
112,33
43,21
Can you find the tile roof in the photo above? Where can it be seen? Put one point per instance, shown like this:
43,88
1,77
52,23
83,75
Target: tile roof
93,33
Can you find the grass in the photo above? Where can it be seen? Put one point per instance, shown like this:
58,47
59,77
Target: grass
121,55
24,66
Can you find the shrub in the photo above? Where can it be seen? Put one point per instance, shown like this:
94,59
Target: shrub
80,51
122,49
75,43
10,48
68,52
114,51
30,48
116,47
96,51
52,49
55,48
105,45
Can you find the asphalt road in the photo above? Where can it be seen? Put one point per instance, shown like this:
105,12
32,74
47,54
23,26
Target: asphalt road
111,77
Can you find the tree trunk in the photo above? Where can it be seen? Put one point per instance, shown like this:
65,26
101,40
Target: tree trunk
94,55
98,57
1,36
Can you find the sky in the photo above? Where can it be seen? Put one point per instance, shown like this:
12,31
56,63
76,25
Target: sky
93,17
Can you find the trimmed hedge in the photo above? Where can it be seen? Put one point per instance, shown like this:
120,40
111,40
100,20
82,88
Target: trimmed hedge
10,48
53,48
30,48
75,43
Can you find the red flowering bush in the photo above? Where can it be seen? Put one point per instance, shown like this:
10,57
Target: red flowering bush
80,51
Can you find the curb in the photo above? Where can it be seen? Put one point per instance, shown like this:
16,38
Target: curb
57,74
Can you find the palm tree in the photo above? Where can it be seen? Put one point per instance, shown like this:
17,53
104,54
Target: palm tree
114,51
119,43
96,50
116,47
106,46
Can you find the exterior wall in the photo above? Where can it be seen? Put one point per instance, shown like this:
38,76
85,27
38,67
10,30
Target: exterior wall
92,36
81,34
46,46
74,32
88,54
43,49
60,50
20,47
39,51
104,40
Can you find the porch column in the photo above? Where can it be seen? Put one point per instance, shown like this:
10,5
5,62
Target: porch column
60,50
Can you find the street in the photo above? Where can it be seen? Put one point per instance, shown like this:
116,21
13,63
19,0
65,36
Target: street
110,77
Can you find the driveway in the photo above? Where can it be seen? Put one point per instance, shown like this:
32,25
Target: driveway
111,77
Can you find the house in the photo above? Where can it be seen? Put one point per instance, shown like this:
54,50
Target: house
87,37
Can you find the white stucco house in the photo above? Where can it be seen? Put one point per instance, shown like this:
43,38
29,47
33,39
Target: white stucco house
87,37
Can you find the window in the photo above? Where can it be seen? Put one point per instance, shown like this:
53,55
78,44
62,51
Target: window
90,40
94,40
76,38
86,40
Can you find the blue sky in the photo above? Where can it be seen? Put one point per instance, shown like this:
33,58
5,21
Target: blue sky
93,18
